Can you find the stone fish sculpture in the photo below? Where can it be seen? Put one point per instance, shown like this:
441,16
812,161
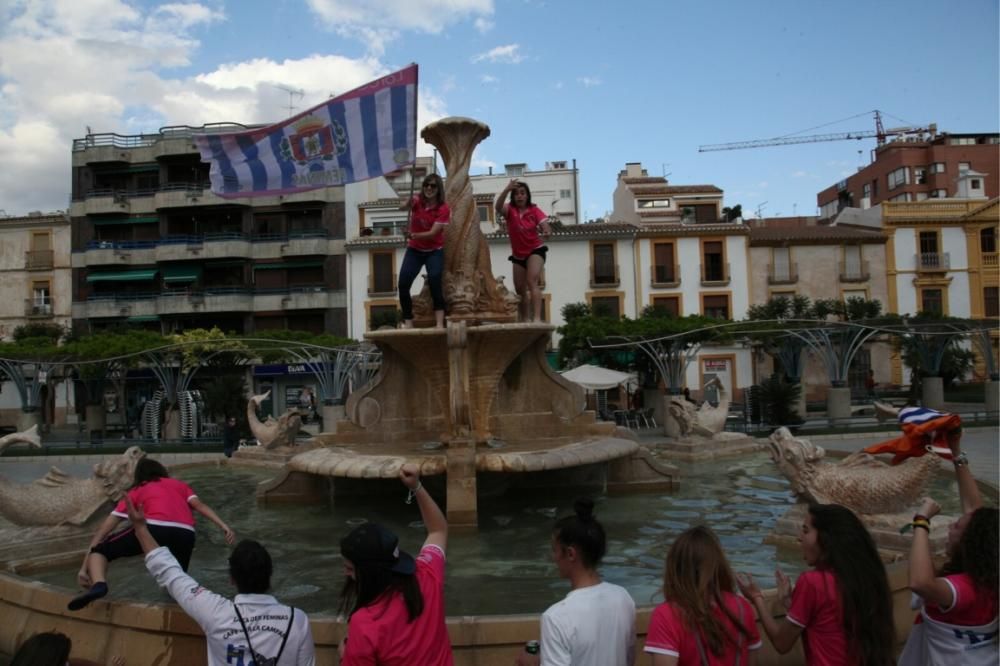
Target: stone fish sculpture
29,437
60,499
273,433
860,481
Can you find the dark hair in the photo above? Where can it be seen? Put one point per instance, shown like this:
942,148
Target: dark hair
583,532
374,552
436,179
694,579
46,649
976,550
250,567
527,191
147,470
848,550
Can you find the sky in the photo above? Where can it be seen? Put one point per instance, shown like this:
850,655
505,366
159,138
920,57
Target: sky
603,83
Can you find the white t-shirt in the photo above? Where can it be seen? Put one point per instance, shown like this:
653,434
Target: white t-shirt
592,626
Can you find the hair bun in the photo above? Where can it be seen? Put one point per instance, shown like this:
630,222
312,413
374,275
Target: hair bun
584,509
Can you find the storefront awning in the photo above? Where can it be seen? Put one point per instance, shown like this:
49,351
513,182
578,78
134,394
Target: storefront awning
181,273
118,221
142,318
123,276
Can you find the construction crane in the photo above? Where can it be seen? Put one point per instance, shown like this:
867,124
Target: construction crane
880,133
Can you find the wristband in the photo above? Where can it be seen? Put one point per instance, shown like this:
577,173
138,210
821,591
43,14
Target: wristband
961,460
923,526
413,492
918,516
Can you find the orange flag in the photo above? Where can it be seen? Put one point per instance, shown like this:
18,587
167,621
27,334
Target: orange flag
921,427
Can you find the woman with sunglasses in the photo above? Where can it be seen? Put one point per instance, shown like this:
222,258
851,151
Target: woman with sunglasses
429,215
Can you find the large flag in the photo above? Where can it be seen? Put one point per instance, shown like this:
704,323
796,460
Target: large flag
365,133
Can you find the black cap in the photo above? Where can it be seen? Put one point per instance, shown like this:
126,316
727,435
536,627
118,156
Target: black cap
372,544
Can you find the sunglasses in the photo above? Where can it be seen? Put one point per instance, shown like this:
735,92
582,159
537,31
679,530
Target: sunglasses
433,186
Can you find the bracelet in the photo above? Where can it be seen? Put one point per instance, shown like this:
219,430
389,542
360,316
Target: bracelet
961,460
922,517
413,492
924,526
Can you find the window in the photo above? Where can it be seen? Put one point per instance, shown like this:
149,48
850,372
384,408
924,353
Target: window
928,242
988,239
557,165
484,212
41,298
939,194
991,301
716,307
852,268
781,269
902,196
649,204
875,187
565,194
664,266
922,196
383,273
855,293
975,184
937,167
713,264
932,300
963,141
514,169
671,304
606,306
897,177
603,264
866,191
963,167
920,175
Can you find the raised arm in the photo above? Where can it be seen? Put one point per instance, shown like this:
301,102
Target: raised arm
503,196
430,512
206,511
968,490
781,633
923,580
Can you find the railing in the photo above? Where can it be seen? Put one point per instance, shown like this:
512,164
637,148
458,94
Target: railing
855,272
786,274
382,286
210,291
662,275
932,261
35,260
124,296
33,308
142,140
714,276
603,278
122,244
120,195
990,260
216,237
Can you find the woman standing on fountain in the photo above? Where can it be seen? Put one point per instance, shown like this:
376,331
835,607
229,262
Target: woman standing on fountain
395,602
702,620
429,215
167,504
842,608
957,625
595,624
523,220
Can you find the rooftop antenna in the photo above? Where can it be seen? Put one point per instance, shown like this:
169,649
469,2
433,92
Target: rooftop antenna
292,93
663,170
760,208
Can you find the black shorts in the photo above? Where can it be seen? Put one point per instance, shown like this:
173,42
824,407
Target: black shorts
523,263
178,541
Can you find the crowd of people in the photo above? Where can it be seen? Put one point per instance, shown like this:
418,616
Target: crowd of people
841,608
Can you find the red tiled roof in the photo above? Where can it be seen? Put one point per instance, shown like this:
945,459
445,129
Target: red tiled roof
818,235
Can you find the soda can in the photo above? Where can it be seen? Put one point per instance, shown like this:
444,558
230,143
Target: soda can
533,647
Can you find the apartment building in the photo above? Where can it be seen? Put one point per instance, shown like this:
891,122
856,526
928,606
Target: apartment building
797,257
152,246
35,270
914,168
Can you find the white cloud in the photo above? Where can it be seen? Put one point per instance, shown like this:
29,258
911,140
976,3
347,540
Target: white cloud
589,81
508,54
488,79
483,25
62,70
419,15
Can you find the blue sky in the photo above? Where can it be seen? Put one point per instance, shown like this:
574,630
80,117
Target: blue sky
604,83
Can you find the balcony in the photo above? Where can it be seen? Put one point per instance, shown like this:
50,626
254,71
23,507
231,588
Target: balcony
782,274
382,285
665,276
39,260
119,304
292,298
222,245
602,277
990,261
855,272
715,275
932,262
37,310
103,252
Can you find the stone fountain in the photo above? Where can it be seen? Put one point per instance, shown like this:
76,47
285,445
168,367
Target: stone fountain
476,397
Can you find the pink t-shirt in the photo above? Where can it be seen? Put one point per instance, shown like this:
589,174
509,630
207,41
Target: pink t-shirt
164,501
522,227
670,636
971,606
382,633
422,219
816,608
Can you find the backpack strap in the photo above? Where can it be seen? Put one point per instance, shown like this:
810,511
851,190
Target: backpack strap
284,639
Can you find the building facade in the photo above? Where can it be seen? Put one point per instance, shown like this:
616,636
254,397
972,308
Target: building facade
912,169
153,246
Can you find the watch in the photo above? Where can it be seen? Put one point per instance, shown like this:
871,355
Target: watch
961,460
